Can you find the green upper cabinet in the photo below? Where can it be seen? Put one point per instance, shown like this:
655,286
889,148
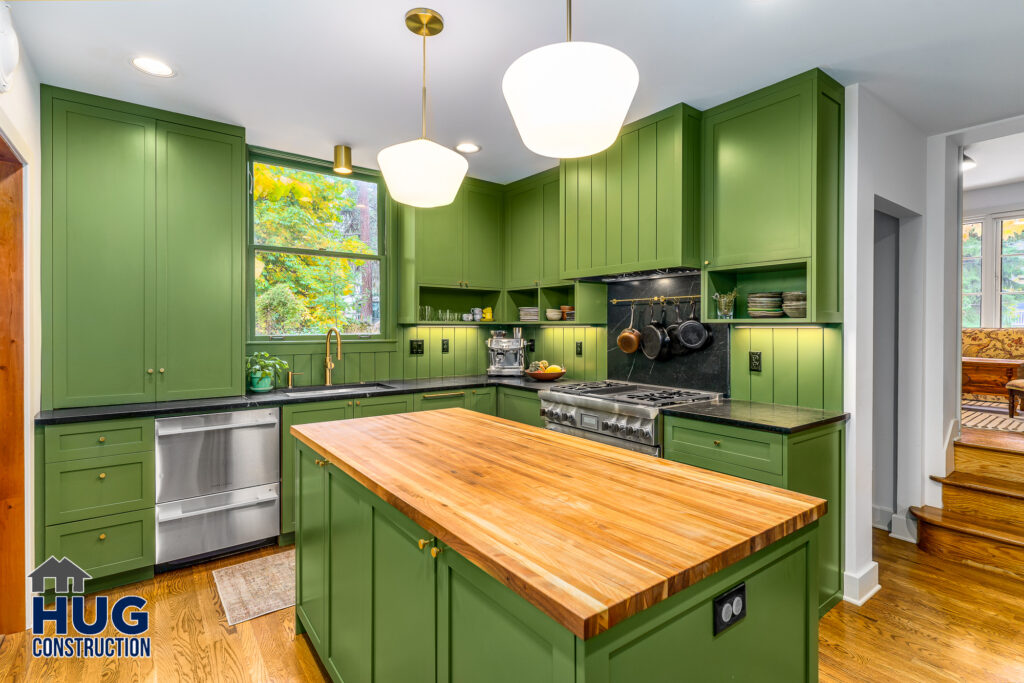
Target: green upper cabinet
773,195
459,245
102,219
200,208
634,206
143,226
531,233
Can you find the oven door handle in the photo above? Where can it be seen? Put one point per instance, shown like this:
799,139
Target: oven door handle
218,508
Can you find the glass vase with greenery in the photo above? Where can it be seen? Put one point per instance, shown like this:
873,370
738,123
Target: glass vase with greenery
263,370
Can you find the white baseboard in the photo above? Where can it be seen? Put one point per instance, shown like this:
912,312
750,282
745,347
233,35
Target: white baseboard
881,517
860,586
904,528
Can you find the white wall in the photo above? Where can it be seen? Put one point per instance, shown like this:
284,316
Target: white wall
994,199
886,324
885,158
19,125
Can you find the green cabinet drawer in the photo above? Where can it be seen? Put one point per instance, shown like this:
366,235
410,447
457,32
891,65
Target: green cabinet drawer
105,545
92,487
93,439
690,441
383,405
483,400
436,400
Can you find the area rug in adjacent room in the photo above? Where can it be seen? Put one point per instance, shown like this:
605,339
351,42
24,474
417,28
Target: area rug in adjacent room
257,587
980,420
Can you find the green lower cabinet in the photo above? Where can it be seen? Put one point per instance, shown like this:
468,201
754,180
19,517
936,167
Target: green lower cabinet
382,405
810,462
520,405
311,546
484,400
436,400
92,487
107,545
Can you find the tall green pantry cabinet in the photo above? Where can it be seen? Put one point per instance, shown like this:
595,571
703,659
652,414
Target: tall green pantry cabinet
143,227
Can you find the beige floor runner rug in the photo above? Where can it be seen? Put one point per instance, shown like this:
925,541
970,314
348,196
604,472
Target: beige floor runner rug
979,420
257,587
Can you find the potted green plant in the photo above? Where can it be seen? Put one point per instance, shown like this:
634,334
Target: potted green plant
263,369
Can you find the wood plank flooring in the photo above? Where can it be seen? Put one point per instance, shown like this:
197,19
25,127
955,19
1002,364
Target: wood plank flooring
933,620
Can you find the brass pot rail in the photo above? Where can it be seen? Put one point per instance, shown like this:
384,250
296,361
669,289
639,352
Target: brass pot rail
657,299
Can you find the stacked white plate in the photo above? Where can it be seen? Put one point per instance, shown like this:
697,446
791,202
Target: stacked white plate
765,305
529,313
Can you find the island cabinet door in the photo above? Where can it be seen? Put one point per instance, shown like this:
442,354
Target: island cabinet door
486,632
483,400
311,546
403,599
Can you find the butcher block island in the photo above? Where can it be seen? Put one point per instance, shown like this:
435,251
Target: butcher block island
450,545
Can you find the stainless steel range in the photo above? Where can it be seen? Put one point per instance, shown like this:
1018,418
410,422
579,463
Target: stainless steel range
623,414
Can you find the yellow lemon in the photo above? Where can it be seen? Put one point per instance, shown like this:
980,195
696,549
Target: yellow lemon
552,368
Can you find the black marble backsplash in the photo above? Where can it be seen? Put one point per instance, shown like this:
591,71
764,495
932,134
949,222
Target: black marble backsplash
707,369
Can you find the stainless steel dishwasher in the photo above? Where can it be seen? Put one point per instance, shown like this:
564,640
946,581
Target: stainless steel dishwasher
218,481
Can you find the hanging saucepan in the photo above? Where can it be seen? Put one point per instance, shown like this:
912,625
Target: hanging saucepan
692,334
676,347
654,341
629,338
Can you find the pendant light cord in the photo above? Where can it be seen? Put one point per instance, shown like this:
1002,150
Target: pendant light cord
568,21
423,103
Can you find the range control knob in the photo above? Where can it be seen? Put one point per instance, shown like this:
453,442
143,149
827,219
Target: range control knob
629,430
646,434
570,418
607,425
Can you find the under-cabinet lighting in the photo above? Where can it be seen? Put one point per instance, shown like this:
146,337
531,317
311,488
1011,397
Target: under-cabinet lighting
776,327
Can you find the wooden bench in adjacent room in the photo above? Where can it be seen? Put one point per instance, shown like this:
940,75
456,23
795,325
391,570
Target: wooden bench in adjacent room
989,376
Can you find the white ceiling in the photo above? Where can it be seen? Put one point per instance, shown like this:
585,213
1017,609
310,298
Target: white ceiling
304,75
1000,161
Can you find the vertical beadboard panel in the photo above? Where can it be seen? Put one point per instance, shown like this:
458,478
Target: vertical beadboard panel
784,345
832,348
811,369
739,364
804,360
762,383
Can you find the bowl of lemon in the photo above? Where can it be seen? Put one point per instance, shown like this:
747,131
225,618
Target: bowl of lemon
543,371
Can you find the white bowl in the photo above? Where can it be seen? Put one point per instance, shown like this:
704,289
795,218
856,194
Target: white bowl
553,313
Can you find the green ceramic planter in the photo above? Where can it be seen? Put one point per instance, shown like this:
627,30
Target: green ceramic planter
260,384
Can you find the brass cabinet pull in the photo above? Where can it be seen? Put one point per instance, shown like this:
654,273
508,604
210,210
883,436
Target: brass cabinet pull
718,443
423,543
434,552
103,537
103,439
446,395
103,475
149,371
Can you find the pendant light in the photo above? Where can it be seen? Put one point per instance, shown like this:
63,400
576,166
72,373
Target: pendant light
421,172
570,99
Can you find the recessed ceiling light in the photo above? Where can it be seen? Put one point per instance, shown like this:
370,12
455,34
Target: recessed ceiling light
968,163
467,147
153,67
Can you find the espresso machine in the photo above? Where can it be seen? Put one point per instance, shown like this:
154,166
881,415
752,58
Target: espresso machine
506,356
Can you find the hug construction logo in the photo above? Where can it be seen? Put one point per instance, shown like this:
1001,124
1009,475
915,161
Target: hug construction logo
83,638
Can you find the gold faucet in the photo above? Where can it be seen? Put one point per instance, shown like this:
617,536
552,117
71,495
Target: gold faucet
328,365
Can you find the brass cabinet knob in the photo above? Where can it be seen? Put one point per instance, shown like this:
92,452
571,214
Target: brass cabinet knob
103,439
103,537
357,402
162,371
149,371
321,463
423,543
103,475
718,443
707,263
435,551
350,402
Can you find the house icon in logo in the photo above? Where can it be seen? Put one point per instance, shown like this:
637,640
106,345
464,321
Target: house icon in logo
63,572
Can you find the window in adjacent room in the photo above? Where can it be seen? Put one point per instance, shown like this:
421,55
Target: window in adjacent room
1011,271
316,252
992,271
971,293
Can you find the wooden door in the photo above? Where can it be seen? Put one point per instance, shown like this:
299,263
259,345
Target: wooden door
482,235
200,224
102,248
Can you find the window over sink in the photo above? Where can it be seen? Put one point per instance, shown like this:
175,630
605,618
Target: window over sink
316,251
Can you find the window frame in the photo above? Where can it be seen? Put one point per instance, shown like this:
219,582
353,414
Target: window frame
387,332
991,264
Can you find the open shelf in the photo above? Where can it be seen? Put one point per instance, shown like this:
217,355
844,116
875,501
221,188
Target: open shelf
785,276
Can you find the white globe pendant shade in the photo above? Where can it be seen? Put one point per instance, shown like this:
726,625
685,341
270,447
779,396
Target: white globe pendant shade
422,173
570,99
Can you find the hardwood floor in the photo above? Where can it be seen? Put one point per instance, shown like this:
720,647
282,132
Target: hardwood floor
933,620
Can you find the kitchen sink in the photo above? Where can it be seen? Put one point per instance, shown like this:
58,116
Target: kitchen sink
336,390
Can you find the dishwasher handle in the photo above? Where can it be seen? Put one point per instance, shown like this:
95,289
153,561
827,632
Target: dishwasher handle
216,428
218,508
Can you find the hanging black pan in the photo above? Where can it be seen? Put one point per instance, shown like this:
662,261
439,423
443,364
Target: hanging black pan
654,339
692,334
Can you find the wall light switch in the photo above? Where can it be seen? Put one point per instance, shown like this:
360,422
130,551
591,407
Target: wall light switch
579,348
755,361
531,345
444,346
415,347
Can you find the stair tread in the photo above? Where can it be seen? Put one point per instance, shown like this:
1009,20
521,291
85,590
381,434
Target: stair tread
984,528
977,482
992,440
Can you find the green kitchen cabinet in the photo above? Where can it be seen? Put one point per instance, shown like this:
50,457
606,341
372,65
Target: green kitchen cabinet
483,400
436,400
297,414
520,405
531,234
382,405
809,461
459,245
200,212
772,200
143,227
634,206
93,487
108,545
312,544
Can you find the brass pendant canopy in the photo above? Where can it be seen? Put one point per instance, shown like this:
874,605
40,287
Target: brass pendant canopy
342,159
424,22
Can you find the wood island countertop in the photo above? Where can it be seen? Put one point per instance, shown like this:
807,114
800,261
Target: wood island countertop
590,534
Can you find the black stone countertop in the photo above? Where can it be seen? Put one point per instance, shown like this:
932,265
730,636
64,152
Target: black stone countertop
278,397
769,417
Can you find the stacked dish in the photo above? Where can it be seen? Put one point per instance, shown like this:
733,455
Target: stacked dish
765,305
794,304
529,313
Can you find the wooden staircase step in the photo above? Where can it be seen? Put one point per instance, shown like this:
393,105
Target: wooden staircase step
986,497
992,439
992,463
978,542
